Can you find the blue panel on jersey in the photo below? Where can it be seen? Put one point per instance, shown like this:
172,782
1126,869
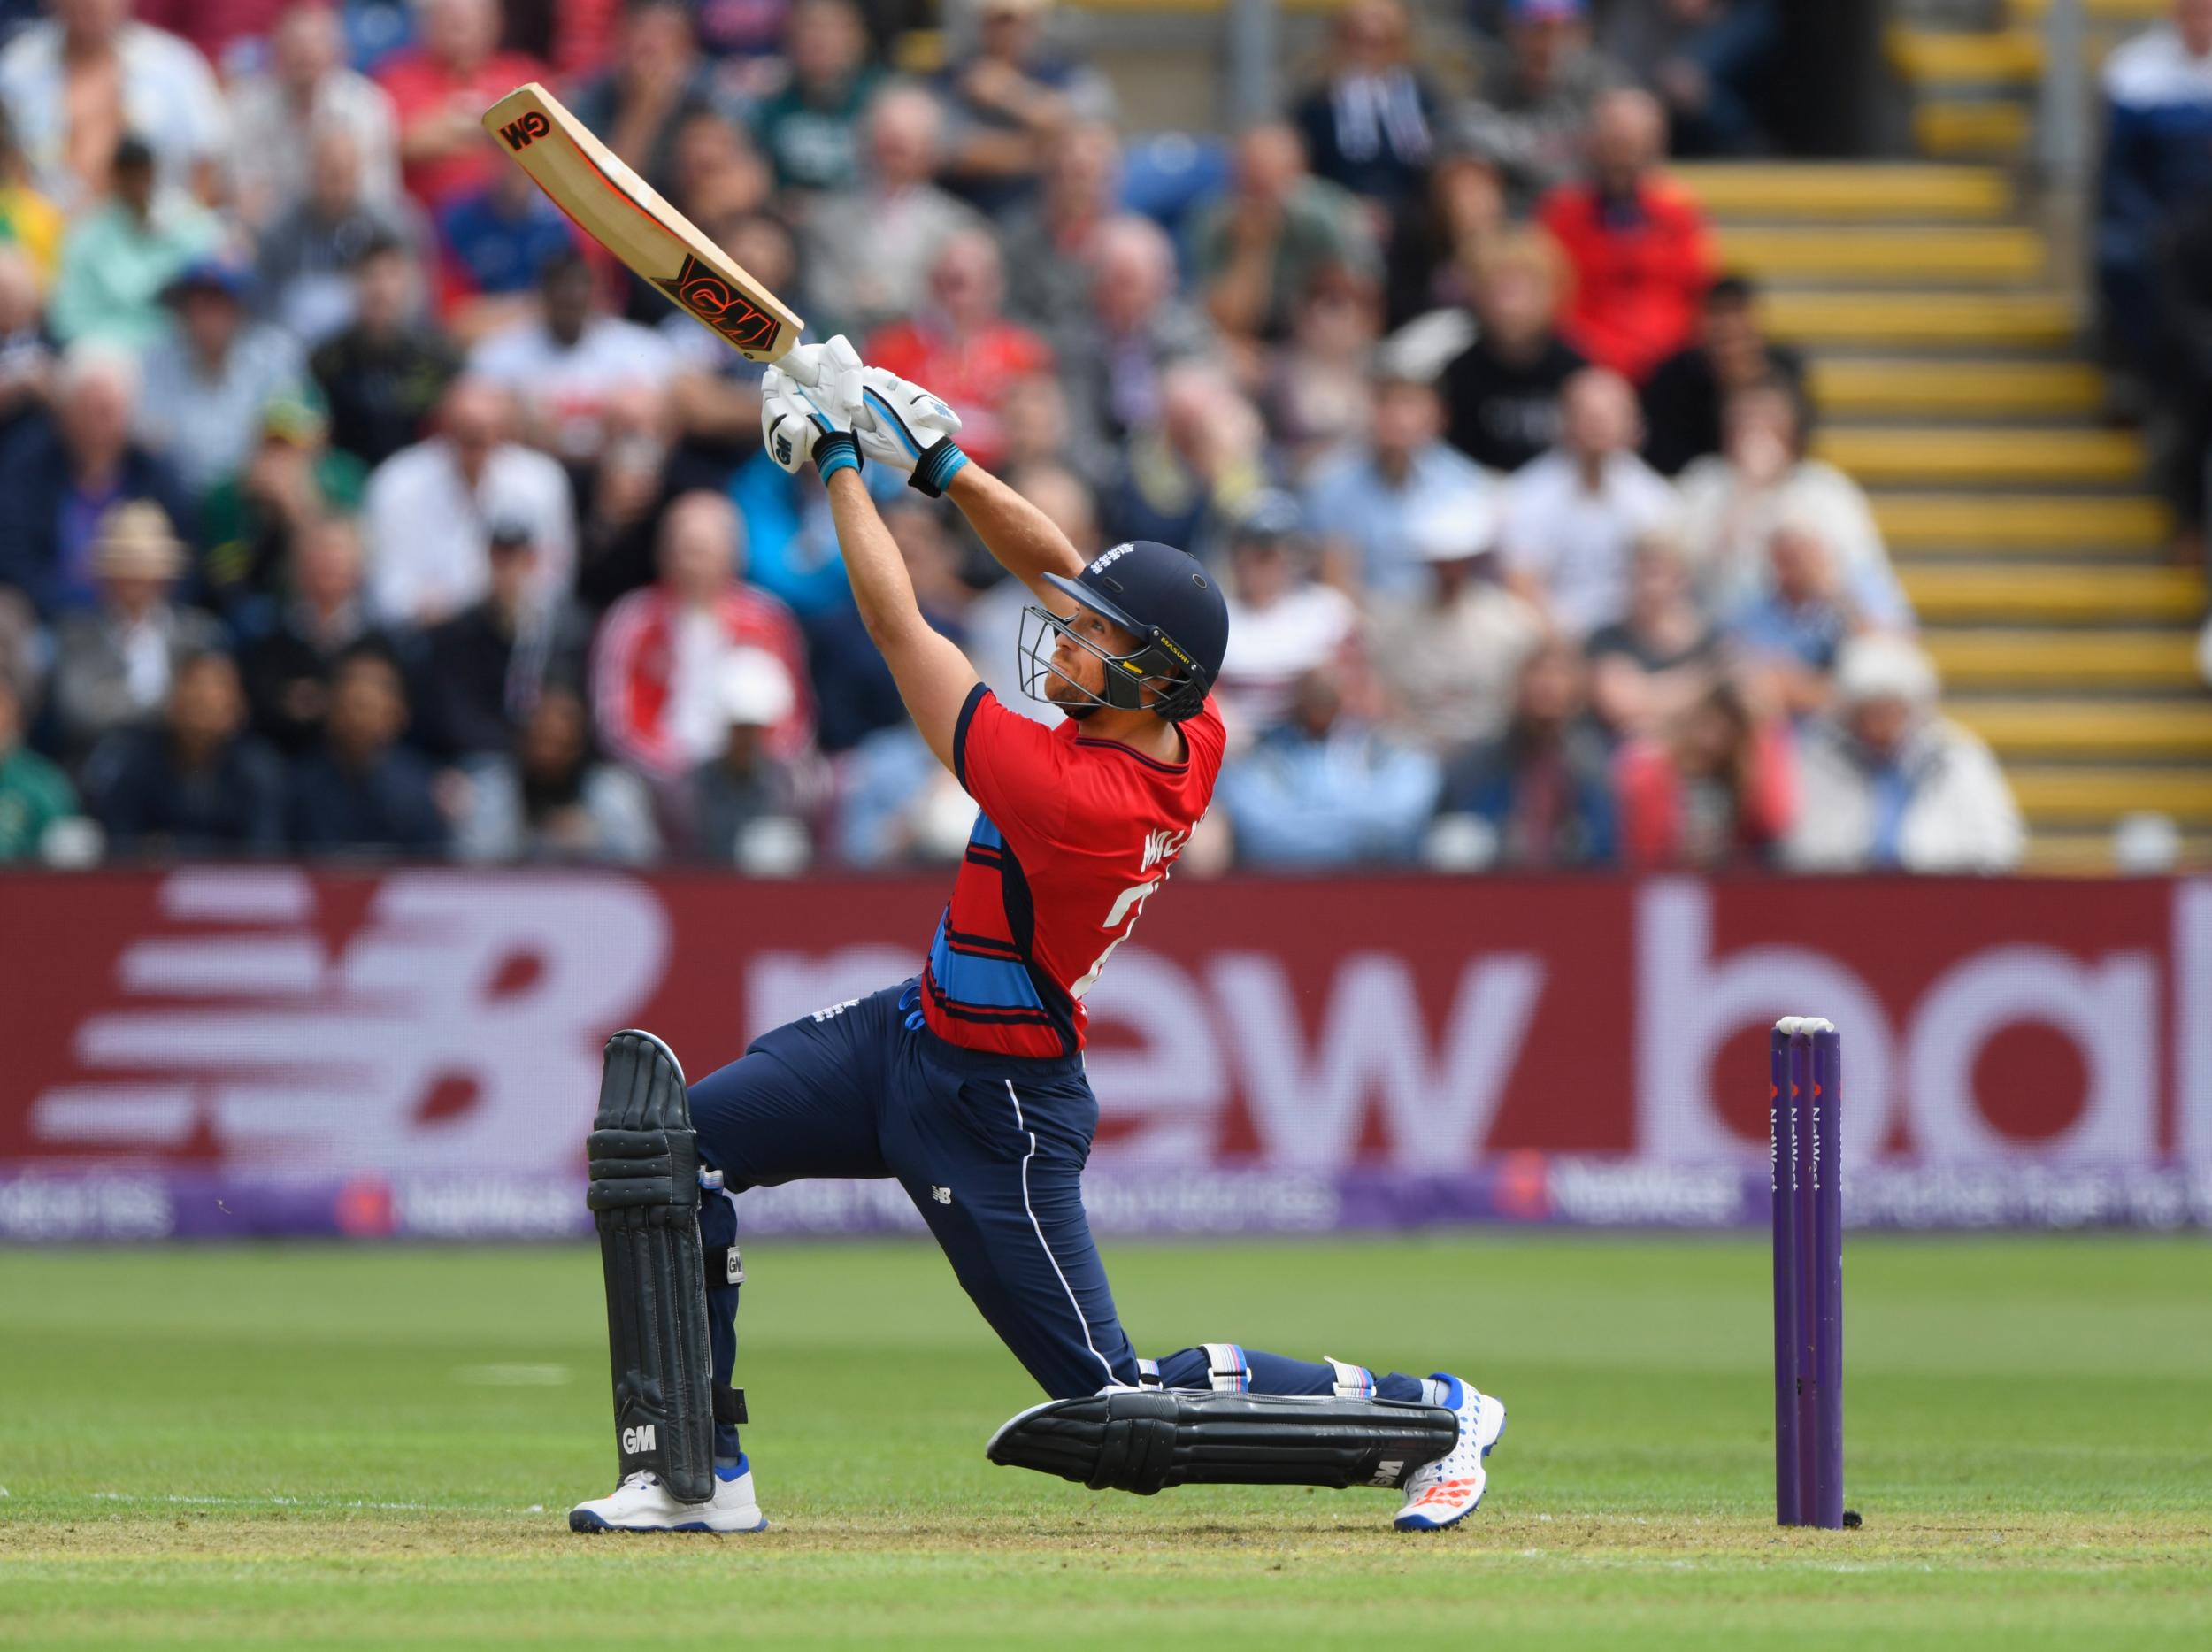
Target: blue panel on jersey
989,983
986,834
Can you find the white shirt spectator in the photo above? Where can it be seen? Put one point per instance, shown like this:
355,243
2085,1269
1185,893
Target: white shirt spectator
867,254
1451,667
1574,540
1726,525
206,423
567,385
428,531
169,97
272,139
1270,648
1890,782
1957,812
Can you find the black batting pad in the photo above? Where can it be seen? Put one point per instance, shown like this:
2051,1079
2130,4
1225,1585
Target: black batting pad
644,1195
1144,1440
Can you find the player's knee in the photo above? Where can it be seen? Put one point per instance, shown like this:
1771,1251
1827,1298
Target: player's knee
1186,1368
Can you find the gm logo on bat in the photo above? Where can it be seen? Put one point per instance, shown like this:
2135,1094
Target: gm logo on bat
714,301
519,134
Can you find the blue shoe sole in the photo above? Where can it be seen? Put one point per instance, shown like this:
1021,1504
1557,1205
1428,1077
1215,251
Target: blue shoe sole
579,1520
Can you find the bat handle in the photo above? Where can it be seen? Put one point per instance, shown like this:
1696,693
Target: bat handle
802,363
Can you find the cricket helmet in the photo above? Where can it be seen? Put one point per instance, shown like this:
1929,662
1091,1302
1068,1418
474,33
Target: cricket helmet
1162,599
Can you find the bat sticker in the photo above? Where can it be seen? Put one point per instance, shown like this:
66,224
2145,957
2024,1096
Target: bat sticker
714,301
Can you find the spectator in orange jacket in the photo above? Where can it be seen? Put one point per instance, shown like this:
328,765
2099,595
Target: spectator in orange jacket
1638,244
657,666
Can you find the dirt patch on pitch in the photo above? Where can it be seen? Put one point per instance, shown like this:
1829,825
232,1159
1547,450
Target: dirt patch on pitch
183,1529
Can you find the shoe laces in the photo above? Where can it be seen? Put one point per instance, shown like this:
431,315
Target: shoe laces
638,1479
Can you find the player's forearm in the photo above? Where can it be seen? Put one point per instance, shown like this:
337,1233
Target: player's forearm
877,573
934,676
1022,538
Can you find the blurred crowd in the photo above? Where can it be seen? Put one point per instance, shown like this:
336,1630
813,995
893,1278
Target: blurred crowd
2153,251
351,504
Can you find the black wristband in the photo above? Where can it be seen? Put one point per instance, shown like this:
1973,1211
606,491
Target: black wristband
942,460
836,450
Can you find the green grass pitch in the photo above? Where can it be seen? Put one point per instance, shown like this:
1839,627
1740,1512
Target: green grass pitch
365,1447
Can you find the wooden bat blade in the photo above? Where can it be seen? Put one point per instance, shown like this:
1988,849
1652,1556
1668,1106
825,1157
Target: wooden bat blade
623,213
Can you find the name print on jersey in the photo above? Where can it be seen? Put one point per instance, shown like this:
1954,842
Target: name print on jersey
1159,845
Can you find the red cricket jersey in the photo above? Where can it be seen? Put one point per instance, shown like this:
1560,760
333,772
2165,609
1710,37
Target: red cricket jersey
1074,833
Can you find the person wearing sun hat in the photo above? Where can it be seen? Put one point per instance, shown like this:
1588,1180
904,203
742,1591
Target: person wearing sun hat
112,665
1448,655
1892,783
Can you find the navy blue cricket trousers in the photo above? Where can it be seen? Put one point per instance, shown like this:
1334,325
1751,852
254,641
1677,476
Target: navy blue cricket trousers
989,1148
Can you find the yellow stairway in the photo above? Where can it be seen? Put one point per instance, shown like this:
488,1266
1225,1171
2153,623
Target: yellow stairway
1950,362
1974,89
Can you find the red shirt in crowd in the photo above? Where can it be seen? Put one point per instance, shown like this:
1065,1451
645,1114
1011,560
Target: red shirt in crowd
636,659
1641,266
1659,823
421,88
973,373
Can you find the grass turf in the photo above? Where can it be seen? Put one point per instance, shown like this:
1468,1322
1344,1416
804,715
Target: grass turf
369,1448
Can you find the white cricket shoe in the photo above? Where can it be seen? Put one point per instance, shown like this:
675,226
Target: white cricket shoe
641,1503
1447,1491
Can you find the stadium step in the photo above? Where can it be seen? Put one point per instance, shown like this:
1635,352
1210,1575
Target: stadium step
2084,661
1941,56
2029,523
1893,192
1941,454
2057,852
1938,321
1972,128
1947,357
1876,386
2091,729
2120,596
2001,252
2059,795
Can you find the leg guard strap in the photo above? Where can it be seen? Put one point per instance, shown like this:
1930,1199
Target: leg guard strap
1137,1441
1353,1382
1226,1368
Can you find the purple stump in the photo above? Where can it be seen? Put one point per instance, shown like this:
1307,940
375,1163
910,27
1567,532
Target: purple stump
1782,1125
1826,1300
1805,1110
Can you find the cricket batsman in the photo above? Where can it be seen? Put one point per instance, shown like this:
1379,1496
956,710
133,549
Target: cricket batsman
966,1082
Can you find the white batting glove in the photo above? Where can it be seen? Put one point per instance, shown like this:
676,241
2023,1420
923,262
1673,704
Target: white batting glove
904,426
807,413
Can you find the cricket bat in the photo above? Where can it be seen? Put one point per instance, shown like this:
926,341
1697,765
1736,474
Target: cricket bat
622,212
